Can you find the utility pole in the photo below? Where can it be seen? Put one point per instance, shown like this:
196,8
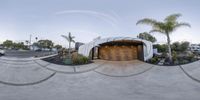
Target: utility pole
30,41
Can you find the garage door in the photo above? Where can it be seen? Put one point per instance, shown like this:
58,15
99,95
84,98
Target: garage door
118,53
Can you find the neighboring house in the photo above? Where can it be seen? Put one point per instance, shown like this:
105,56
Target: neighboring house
2,51
194,47
34,47
118,49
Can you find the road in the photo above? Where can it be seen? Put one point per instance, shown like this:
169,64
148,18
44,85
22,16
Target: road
25,54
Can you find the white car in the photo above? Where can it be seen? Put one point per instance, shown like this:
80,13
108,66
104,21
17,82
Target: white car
2,52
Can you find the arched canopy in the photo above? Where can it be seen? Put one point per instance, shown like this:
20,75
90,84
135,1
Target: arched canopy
147,47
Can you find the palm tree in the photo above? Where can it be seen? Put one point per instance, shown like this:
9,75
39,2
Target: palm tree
70,39
166,27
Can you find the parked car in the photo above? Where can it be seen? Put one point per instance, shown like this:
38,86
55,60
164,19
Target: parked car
2,51
38,50
195,48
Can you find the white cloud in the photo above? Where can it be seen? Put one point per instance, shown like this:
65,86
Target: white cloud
106,17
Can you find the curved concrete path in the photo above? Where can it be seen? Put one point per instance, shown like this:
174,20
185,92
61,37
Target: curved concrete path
159,83
145,81
123,68
20,73
192,70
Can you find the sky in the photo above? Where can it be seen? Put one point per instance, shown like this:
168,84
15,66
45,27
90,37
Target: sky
89,19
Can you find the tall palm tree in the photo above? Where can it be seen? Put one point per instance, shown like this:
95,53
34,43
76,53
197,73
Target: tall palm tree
166,27
70,39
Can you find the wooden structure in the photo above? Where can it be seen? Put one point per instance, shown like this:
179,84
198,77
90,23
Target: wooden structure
119,51
118,48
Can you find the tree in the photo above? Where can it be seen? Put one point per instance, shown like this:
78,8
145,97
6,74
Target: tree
185,45
58,47
8,43
147,36
161,47
176,46
70,39
166,27
19,45
180,46
45,44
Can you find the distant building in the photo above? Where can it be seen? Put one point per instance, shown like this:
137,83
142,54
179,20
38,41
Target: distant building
78,44
34,47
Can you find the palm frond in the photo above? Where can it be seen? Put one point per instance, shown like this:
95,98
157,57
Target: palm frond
147,21
182,24
172,17
156,30
73,41
159,26
72,37
67,38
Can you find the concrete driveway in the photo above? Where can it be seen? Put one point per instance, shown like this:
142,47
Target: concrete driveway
34,79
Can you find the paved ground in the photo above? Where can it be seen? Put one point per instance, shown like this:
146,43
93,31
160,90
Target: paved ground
25,79
25,54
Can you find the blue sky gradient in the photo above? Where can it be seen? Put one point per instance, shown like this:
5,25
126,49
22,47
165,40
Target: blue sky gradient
88,19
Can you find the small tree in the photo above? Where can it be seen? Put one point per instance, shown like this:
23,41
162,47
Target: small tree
58,47
147,36
180,46
8,43
45,44
70,39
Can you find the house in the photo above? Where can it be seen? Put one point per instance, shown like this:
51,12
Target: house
118,49
34,47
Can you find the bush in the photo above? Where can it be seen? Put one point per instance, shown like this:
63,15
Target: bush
164,55
191,57
154,60
180,46
183,61
174,56
79,59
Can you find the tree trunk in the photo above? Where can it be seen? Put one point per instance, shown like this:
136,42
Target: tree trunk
169,48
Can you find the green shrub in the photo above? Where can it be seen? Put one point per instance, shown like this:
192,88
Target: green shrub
174,56
78,59
191,57
161,48
183,61
164,55
154,60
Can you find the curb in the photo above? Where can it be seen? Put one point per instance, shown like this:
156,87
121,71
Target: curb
187,74
27,84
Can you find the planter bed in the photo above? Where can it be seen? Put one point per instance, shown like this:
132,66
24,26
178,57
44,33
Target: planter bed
60,61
